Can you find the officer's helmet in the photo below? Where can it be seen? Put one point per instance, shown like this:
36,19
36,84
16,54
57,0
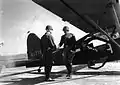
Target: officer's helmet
65,28
48,27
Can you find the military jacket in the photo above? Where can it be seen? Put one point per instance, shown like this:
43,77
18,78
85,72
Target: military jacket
68,40
47,42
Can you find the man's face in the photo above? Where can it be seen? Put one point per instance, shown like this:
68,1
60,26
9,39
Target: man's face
66,31
49,30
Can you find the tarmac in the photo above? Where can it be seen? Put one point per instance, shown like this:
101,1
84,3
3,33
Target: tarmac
82,75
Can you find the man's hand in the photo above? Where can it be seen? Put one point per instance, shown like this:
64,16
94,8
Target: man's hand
56,51
58,47
72,51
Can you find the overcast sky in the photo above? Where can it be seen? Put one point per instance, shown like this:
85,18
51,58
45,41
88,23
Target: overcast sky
19,16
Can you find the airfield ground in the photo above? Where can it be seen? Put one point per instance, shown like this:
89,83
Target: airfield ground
82,75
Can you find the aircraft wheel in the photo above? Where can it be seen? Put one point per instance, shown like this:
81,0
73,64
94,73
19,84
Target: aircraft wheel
96,64
39,70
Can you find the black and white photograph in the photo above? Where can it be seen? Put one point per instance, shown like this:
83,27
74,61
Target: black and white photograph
59,42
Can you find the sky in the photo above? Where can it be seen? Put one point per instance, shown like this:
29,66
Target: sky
19,16
0,22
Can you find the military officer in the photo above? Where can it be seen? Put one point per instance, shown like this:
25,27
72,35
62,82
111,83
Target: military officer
48,46
68,40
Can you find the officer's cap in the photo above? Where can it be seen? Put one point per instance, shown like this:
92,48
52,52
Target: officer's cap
65,28
48,27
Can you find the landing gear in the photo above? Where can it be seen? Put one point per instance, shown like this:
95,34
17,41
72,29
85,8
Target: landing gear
39,69
100,63
98,51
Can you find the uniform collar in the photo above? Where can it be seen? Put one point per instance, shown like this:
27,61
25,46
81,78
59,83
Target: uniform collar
48,33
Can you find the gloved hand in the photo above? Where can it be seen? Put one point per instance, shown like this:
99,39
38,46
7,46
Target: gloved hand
72,51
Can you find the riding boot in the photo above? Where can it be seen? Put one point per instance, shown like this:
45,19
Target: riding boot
69,68
47,71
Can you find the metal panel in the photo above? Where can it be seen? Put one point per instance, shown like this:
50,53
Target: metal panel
95,9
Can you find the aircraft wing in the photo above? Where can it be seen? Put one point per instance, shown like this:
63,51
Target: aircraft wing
95,9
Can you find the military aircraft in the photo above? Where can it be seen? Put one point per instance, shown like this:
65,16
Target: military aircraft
93,16
96,17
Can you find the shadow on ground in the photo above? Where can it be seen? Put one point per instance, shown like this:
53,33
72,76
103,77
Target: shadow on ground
55,75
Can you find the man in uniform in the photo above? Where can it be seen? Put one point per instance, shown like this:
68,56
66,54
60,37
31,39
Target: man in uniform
48,46
68,39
